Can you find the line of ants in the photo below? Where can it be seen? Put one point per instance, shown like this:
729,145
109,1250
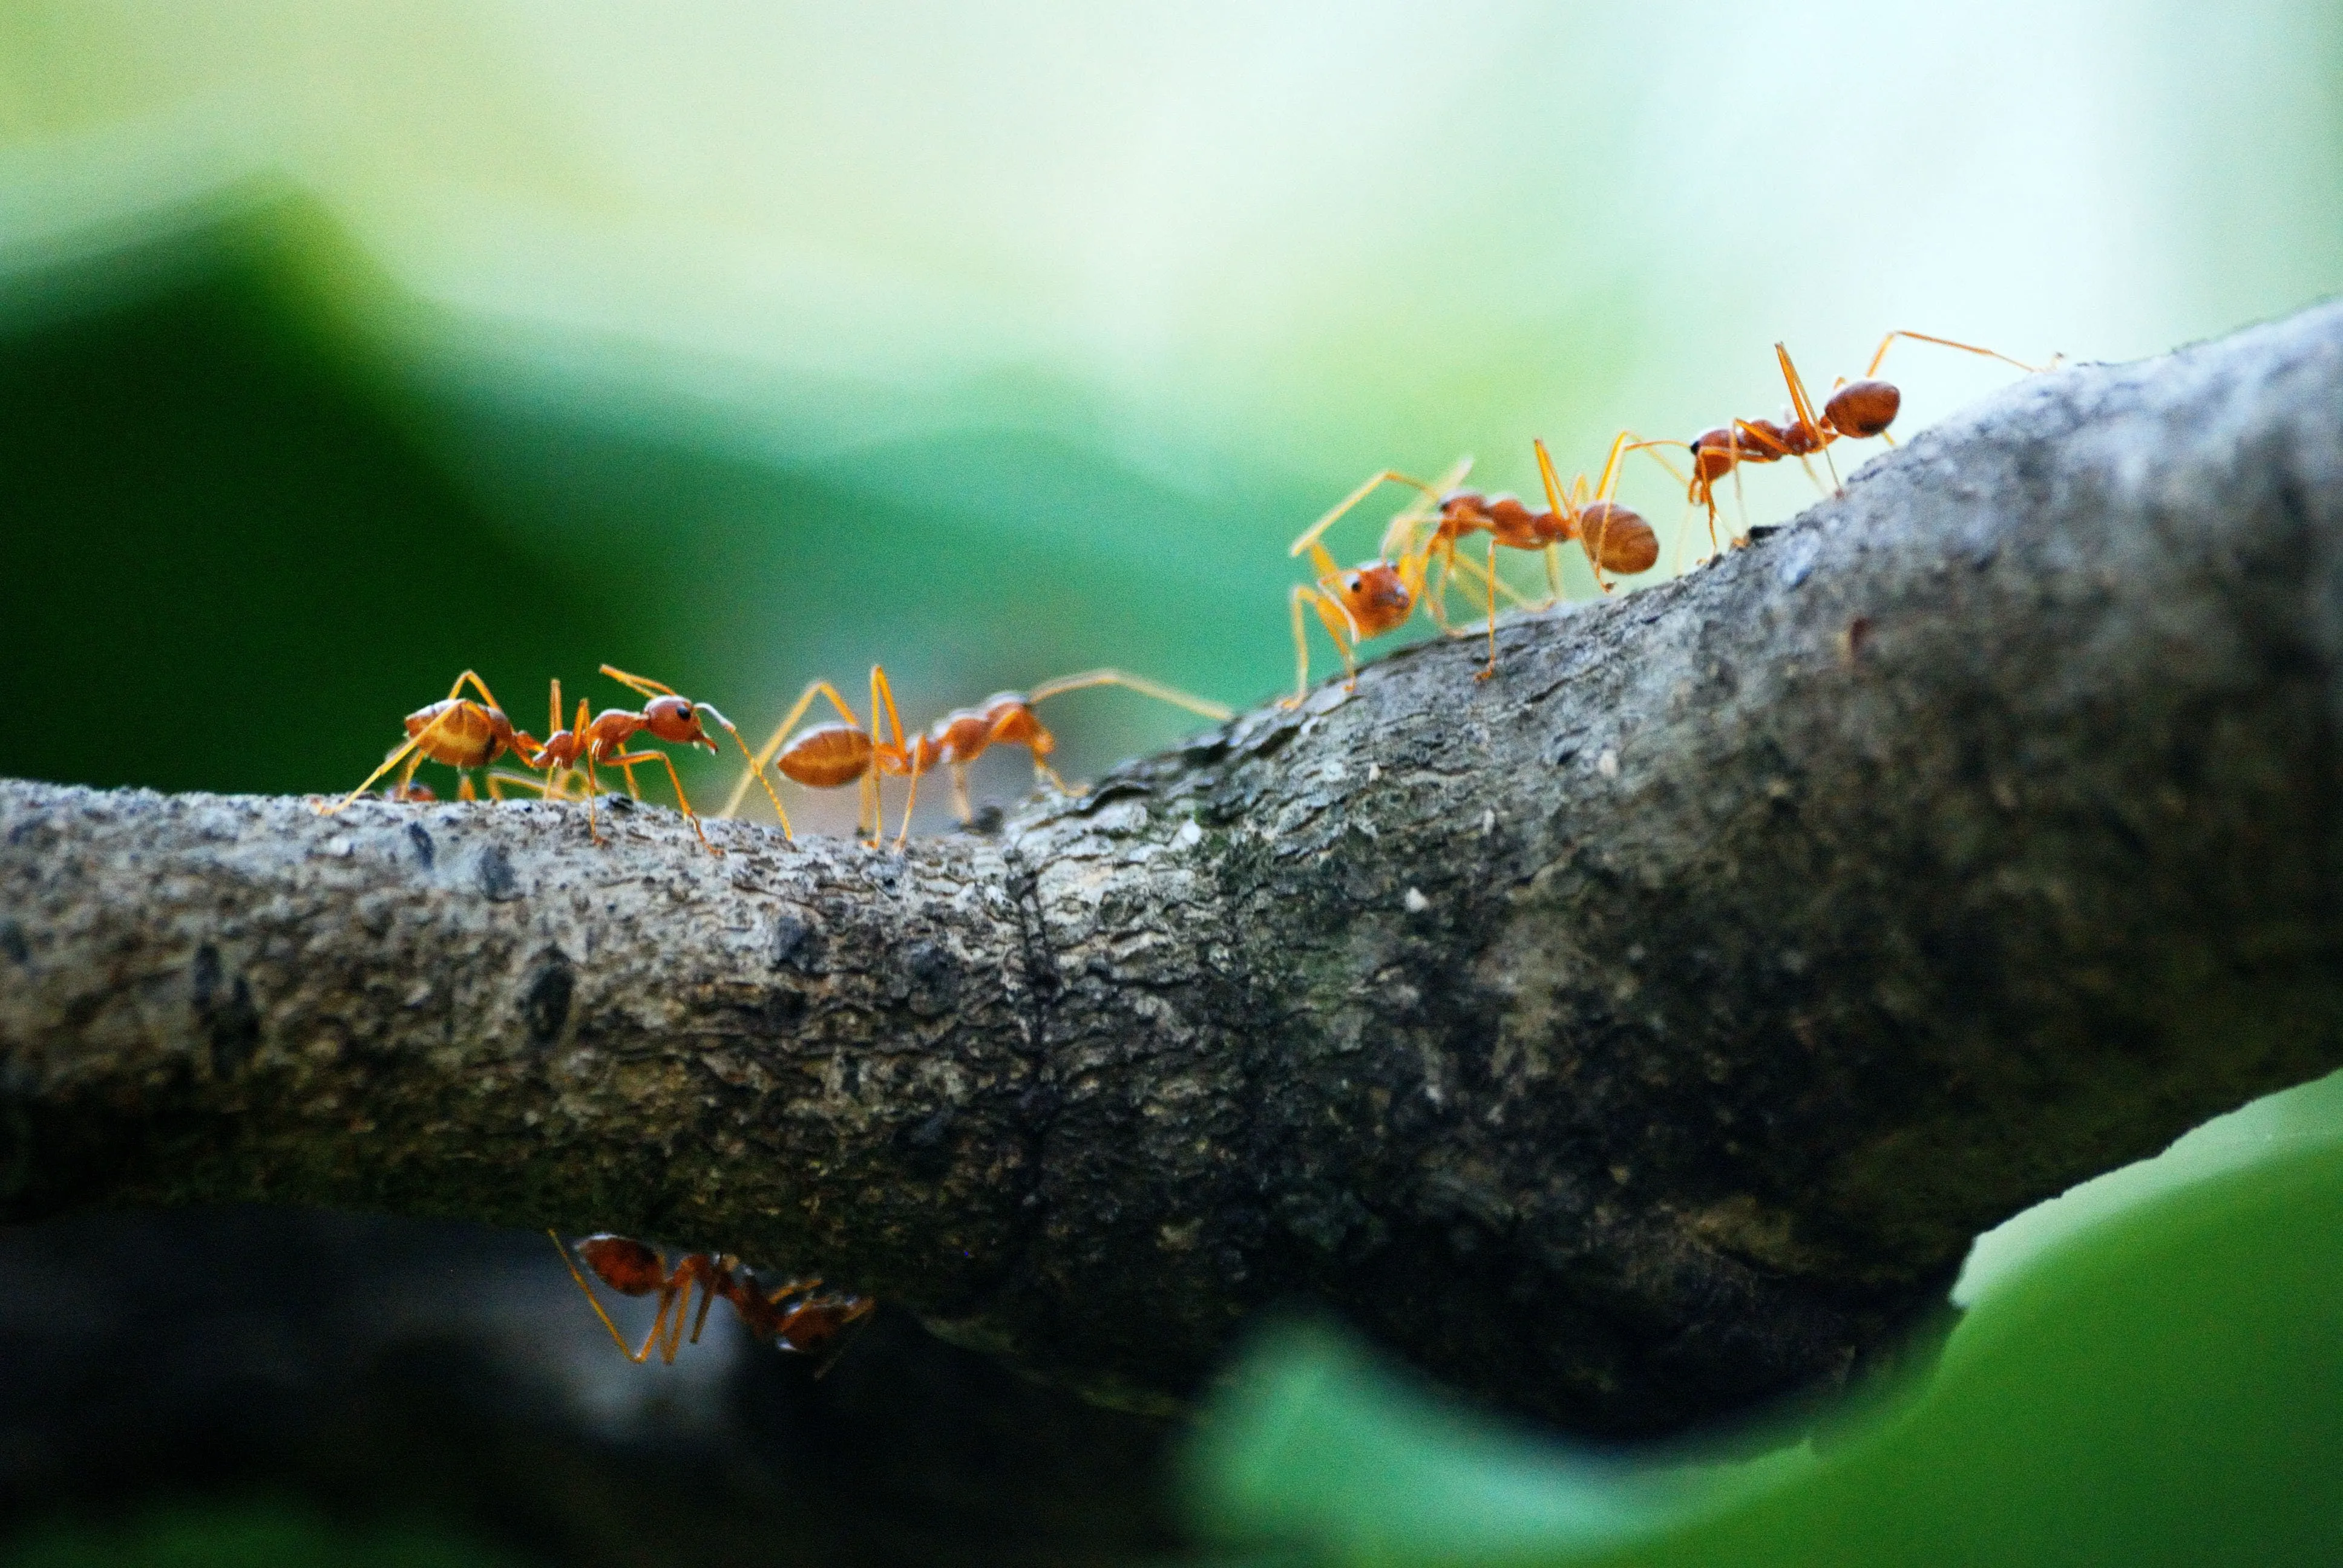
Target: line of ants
1380,596
471,735
1367,600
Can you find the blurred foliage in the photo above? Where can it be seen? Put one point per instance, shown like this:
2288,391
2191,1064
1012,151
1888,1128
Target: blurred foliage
2162,1386
261,1534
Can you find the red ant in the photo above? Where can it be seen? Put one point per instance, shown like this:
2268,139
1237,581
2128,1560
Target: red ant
456,730
792,1318
1615,537
833,756
669,717
1370,599
1857,410
1007,718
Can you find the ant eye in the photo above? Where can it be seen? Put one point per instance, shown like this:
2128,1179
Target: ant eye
683,710
1351,582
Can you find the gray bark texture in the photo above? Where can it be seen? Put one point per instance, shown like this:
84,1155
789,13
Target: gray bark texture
1630,1038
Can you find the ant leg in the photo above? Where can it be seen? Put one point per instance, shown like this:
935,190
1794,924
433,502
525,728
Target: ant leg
707,1300
1435,598
1805,406
519,781
1337,620
637,1357
708,711
960,805
1368,488
910,799
1301,653
476,684
1888,341
1491,670
765,753
1568,506
682,801
413,747
640,684
593,788
1140,684
1399,537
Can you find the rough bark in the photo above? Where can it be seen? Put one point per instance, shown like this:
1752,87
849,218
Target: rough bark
1630,1038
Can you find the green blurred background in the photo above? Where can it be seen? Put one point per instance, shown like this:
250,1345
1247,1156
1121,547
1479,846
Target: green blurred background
343,347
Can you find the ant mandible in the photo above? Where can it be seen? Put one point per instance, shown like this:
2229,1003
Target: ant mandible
667,715
454,730
1007,718
793,1317
833,756
1857,410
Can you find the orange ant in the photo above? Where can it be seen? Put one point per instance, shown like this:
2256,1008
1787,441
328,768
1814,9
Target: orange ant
1007,718
1370,599
669,717
1615,537
1857,410
833,756
792,1318
456,730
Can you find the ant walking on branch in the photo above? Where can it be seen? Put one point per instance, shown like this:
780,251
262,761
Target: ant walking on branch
602,741
1615,537
795,1317
833,755
1374,596
1857,410
1007,718
456,732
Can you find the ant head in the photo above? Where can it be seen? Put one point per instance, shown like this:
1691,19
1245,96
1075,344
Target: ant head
1376,595
674,718
1014,723
625,1265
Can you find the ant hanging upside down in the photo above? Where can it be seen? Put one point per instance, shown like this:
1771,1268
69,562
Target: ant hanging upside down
799,1316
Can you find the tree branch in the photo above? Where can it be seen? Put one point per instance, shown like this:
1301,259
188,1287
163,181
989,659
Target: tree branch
1630,1037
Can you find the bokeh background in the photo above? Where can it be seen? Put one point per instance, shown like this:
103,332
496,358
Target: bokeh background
343,347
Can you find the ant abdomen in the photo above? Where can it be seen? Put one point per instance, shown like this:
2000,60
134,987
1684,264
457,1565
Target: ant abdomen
1863,409
1618,538
625,1265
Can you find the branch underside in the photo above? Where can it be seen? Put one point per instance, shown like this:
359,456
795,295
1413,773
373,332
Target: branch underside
1629,1037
